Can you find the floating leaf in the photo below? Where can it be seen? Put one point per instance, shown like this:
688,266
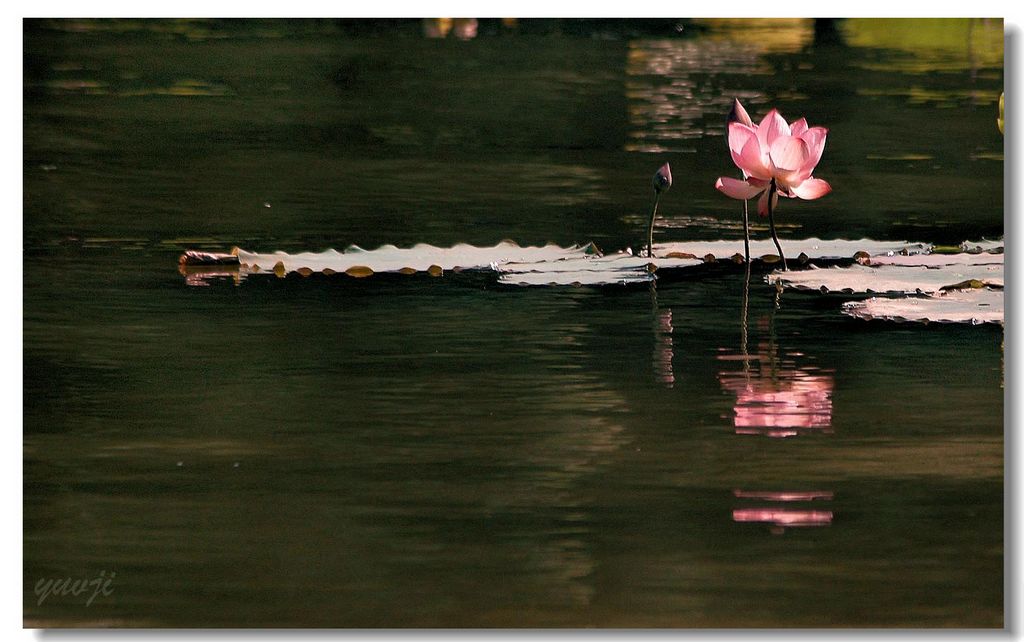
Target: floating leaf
984,245
894,268
580,278
975,306
193,257
935,260
889,279
813,248
615,269
419,258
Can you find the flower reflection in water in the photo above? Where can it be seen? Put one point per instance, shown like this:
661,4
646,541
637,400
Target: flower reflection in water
777,398
784,496
780,519
781,404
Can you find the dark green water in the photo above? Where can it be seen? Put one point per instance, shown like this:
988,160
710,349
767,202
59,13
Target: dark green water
450,452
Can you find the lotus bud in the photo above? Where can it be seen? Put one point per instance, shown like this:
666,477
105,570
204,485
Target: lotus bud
662,179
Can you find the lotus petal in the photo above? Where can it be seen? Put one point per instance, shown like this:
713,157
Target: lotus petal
743,190
762,203
788,153
772,126
815,138
739,134
739,114
811,189
749,157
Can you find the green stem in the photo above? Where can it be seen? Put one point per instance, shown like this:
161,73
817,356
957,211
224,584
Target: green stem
746,233
650,228
771,222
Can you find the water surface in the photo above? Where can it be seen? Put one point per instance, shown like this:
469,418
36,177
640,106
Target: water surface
417,451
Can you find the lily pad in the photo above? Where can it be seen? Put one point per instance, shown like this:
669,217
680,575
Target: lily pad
890,267
888,279
974,306
984,245
419,258
936,260
616,269
813,248
577,278
196,258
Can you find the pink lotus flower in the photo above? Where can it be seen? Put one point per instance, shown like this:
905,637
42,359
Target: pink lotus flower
774,153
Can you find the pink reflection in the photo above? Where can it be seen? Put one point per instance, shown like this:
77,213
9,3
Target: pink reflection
663,349
786,518
777,399
779,519
804,401
784,496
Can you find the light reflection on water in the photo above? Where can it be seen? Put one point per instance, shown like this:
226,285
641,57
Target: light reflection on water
672,88
783,517
780,517
776,398
675,86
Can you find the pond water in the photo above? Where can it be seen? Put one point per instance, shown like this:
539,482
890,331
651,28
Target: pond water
418,451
